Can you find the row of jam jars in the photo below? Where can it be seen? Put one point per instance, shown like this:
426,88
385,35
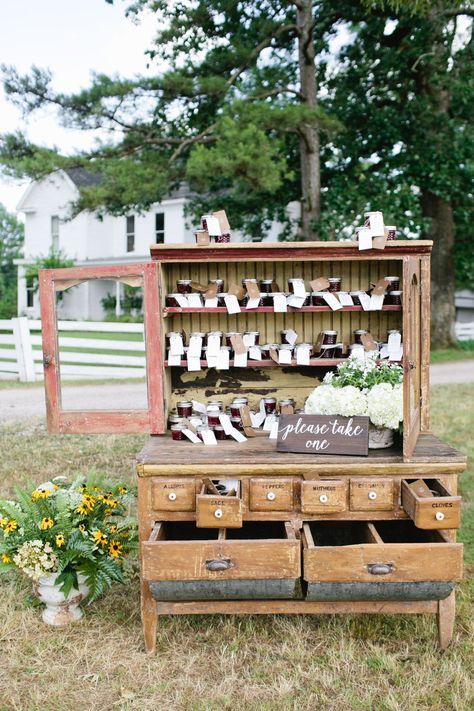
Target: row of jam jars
329,339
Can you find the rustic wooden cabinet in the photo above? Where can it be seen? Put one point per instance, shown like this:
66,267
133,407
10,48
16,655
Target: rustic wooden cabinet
302,533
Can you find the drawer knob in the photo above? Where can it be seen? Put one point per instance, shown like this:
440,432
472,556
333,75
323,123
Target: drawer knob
380,568
271,496
218,513
372,495
172,496
323,498
218,564
439,516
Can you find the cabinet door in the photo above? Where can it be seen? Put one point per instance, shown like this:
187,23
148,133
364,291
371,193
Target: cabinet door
149,419
411,354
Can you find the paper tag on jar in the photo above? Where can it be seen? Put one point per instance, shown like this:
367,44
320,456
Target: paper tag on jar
211,360
238,436
240,360
191,436
249,432
210,303
245,415
274,431
376,302
380,287
286,409
182,301
273,354
194,363
296,302
345,298
299,288
291,336
197,286
257,418
174,359
208,437
376,224
232,304
255,353
195,346
213,226
364,237
213,345
284,356
269,420
252,289
275,287
279,303
368,342
364,300
302,356
394,346
237,291
176,345
199,407
211,291
223,359
319,284
202,237
379,242
190,425
225,422
249,339
319,342
238,344
221,216
253,303
332,301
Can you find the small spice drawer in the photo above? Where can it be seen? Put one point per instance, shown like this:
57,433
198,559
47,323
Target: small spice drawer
324,496
368,494
382,560
430,505
260,560
271,494
223,510
173,495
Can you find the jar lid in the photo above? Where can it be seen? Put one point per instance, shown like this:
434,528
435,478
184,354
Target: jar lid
219,428
334,278
396,293
392,278
295,279
215,281
184,402
252,333
254,281
333,333
269,399
177,427
266,281
184,281
361,330
239,399
198,333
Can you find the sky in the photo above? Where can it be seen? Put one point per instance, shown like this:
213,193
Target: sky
72,38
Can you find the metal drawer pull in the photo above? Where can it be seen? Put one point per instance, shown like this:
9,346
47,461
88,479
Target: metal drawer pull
271,496
372,495
172,496
323,498
380,568
439,516
219,564
218,513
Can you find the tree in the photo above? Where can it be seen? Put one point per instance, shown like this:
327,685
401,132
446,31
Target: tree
11,243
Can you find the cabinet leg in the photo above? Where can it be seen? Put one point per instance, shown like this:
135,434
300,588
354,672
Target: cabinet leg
446,612
149,617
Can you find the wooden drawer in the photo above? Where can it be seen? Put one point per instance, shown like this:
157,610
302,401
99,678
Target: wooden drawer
271,494
259,550
223,511
371,494
385,551
323,496
430,505
173,494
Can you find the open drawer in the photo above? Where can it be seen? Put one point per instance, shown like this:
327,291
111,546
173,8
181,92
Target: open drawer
222,509
430,505
386,560
259,560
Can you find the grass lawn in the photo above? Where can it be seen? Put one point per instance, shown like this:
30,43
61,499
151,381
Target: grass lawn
376,663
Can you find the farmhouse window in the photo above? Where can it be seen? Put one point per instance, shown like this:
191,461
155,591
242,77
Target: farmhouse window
55,232
160,227
130,233
30,292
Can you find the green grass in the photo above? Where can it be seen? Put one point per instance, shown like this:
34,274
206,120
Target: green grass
217,663
464,350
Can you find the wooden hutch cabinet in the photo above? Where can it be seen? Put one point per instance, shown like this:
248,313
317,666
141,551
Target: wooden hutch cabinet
301,533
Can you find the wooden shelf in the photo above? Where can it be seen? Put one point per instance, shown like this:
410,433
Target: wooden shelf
269,309
314,362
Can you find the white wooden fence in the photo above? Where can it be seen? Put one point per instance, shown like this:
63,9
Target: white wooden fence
465,331
81,357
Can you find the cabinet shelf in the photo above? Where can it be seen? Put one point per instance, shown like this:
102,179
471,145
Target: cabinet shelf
314,362
269,309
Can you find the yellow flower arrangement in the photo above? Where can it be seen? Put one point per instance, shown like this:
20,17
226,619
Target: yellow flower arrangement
10,526
99,538
46,523
115,549
60,540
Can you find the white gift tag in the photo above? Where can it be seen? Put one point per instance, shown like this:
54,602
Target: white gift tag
213,226
383,353
262,410
255,353
195,347
358,352
174,359
194,363
295,301
238,436
223,359
345,298
194,301
299,288
182,301
210,303
274,431
211,361
279,303
213,345
240,360
284,356
257,418
364,238
291,336
193,437
249,339
364,300
232,304
394,342
199,407
253,303
376,302
332,301
176,345
269,420
208,437
302,356
225,422
396,355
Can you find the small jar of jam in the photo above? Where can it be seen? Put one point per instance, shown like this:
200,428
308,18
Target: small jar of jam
283,336
391,232
184,408
222,239
215,333
329,337
174,418
230,335
174,333
393,283
317,298
219,432
213,413
237,423
171,300
264,352
244,300
291,284
334,284
204,221
307,301
305,345
221,300
289,401
177,432
286,347
275,293
236,404
355,297
392,331
217,403
220,284
395,298
255,335
266,286
253,281
184,286
358,335
266,299
270,404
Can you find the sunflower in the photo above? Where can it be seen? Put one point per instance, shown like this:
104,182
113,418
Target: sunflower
46,523
122,490
40,494
60,540
99,538
115,549
88,501
83,510
110,503
6,558
3,522
11,526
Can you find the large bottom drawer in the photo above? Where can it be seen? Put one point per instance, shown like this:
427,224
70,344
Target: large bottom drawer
387,560
259,560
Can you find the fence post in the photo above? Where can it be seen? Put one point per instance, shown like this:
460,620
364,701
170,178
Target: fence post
24,349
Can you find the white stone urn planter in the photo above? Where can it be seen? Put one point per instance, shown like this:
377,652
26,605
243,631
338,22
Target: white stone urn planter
380,437
60,610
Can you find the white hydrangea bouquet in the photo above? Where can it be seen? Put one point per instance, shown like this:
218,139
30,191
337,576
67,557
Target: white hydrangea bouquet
363,387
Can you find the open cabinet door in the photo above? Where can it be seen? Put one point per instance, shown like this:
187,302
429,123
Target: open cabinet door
411,354
150,419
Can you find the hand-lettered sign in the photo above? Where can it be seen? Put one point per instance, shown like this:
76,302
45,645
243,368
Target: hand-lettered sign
323,434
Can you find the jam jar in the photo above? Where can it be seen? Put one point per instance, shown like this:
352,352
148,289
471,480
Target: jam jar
219,432
174,418
236,404
283,336
289,401
355,297
237,423
329,338
253,281
224,238
291,287
221,300
220,284
270,404
177,432
204,221
217,403
184,286
317,298
256,336
273,294
393,283
334,284
266,286
213,412
391,232
184,408
358,335
392,331
215,333
171,300
395,298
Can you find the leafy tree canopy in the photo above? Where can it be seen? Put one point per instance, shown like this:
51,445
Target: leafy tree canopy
11,243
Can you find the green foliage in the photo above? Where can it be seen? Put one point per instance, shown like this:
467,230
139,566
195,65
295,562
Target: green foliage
11,243
362,374
131,302
55,259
